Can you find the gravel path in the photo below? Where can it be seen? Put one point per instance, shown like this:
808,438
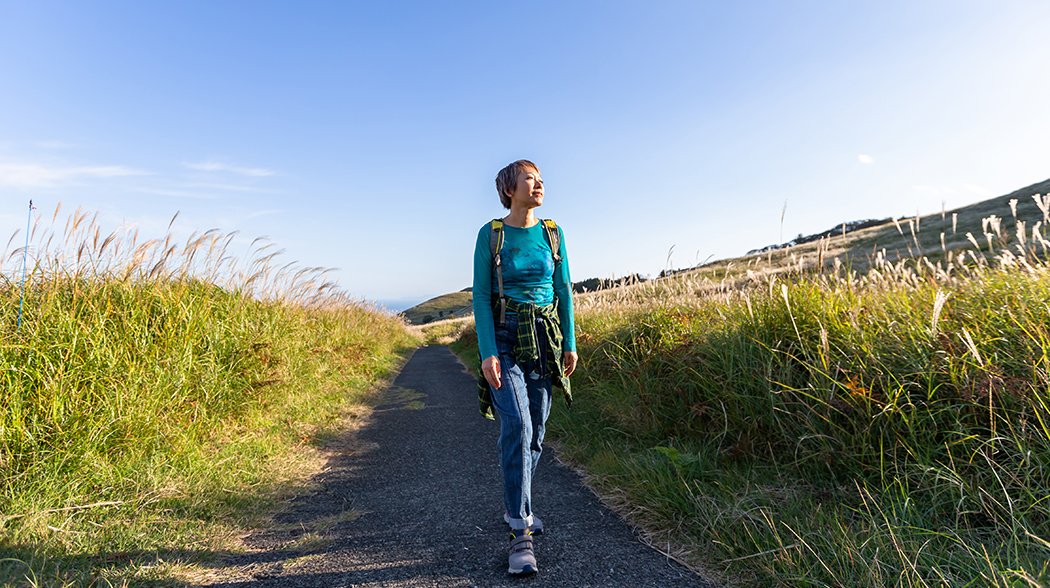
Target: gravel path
414,500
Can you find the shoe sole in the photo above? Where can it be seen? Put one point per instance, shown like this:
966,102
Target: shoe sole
534,530
526,570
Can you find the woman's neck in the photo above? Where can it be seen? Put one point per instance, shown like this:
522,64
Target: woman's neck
521,218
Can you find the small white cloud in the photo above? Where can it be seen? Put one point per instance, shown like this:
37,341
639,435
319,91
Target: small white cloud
216,166
37,175
865,159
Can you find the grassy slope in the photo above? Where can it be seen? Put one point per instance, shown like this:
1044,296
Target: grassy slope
853,250
146,419
856,249
446,306
826,434
867,455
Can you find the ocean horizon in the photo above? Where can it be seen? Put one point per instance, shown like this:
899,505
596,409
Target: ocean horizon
396,305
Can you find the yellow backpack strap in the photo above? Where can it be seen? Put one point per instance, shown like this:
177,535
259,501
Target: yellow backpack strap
496,246
551,229
496,237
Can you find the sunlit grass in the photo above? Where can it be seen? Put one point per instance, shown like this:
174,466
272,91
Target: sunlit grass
157,392
808,418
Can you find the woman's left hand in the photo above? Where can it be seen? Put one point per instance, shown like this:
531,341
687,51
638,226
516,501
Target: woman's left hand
568,360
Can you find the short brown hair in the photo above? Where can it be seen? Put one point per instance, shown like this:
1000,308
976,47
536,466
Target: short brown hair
507,179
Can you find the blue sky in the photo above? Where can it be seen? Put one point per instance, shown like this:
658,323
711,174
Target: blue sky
366,135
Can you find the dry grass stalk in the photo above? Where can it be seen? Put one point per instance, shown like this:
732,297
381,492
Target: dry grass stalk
85,251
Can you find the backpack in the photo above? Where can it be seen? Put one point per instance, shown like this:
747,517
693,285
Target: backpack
550,229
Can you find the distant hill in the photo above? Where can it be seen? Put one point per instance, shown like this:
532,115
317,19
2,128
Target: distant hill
903,237
459,304
840,229
439,308
595,284
852,243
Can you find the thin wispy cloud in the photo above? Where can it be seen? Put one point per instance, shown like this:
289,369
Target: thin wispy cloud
223,187
261,213
39,175
149,225
190,194
54,144
865,159
218,166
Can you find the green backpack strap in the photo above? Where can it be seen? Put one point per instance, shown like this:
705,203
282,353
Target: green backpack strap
550,228
496,247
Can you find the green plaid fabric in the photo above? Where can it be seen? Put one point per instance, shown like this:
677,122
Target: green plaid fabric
527,349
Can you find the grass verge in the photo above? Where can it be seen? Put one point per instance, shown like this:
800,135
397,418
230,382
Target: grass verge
149,415
829,437
829,429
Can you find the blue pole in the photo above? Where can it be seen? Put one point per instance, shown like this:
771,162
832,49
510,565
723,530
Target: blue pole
25,258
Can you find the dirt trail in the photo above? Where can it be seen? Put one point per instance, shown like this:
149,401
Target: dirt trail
415,501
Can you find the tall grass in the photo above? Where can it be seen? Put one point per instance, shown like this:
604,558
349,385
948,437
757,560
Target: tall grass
156,392
808,423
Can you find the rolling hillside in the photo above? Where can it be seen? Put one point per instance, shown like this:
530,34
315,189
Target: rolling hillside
931,235
439,308
855,247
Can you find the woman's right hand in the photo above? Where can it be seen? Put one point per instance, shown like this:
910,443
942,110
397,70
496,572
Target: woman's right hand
490,367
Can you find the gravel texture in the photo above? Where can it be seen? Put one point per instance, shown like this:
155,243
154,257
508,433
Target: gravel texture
414,499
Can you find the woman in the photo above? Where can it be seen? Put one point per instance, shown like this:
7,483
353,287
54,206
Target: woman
523,313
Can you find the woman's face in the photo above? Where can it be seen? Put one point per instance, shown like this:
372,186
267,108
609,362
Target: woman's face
529,191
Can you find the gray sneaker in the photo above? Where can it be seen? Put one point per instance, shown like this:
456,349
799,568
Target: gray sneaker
537,524
522,560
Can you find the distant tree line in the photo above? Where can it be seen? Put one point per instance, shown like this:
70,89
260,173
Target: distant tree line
594,284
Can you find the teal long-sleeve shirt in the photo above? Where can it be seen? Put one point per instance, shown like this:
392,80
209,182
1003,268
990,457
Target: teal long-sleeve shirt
529,275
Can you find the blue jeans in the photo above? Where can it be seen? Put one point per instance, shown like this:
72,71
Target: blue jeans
523,403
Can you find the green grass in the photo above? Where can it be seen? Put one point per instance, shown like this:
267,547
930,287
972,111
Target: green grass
446,306
149,415
443,332
877,452
837,428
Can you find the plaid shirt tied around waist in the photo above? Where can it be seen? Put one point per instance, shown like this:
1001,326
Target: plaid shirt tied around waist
527,349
